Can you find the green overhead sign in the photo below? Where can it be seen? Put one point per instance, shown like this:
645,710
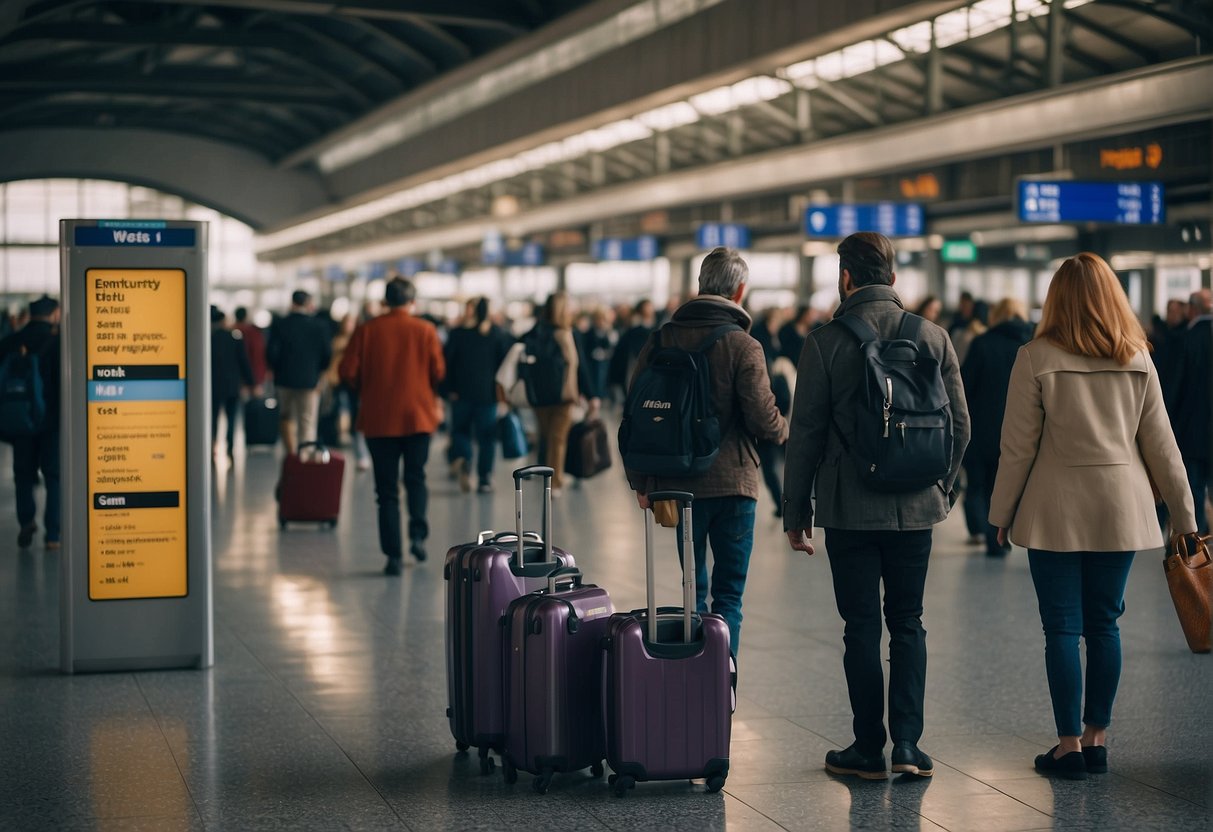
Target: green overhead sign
958,251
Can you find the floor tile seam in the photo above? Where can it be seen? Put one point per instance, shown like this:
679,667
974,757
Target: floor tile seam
326,733
168,745
753,808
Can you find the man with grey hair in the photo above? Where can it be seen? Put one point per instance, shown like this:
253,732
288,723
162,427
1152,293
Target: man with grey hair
726,494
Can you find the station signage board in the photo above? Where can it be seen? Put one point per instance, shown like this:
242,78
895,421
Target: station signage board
729,234
136,424
135,571
531,254
892,219
1121,203
639,248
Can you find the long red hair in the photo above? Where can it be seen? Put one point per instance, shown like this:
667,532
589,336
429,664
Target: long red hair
1087,312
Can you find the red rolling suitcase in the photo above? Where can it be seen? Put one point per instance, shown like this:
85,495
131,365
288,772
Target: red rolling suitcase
669,680
309,489
482,579
553,679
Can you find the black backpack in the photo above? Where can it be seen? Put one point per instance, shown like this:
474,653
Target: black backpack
22,401
670,427
542,367
903,430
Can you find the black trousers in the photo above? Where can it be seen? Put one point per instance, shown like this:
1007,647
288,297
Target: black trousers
981,474
228,406
860,561
387,452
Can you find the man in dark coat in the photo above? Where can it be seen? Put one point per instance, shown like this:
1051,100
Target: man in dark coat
40,452
872,537
987,374
230,370
1192,415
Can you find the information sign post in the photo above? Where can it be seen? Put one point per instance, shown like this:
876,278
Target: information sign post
136,587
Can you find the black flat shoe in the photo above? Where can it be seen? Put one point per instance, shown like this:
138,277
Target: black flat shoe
907,759
851,761
1096,757
394,567
417,550
1071,766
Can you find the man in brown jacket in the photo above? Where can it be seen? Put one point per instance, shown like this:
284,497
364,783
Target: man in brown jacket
725,496
395,362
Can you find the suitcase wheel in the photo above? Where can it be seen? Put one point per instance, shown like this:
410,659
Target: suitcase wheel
509,772
596,770
542,781
622,783
282,525
332,524
715,784
461,746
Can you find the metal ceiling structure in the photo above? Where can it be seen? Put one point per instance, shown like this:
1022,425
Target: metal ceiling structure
1045,46
268,76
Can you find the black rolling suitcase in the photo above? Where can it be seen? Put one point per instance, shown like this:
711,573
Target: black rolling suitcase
261,422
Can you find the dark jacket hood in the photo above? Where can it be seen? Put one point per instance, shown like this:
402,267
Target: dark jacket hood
711,310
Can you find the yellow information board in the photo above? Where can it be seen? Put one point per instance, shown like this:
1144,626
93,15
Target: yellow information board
137,486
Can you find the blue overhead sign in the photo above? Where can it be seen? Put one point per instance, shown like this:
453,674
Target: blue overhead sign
531,254
1125,203
492,248
133,234
729,234
892,219
625,248
409,266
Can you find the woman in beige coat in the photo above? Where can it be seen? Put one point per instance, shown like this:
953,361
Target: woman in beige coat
1085,427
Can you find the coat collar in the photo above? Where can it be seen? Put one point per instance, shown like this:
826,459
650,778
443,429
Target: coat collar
709,310
868,294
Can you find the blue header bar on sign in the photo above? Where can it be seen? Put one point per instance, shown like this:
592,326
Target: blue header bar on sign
145,224
892,219
728,234
531,254
135,237
625,248
1123,203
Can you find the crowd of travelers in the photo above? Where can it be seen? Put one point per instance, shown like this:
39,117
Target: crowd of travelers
1074,436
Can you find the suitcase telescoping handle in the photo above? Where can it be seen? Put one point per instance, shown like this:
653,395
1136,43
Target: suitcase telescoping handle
570,572
684,499
526,473
321,452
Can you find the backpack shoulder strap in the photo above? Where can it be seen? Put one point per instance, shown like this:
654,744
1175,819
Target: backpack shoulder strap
910,328
715,335
859,328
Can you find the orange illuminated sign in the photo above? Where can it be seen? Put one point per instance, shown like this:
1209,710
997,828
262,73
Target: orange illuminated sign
1131,158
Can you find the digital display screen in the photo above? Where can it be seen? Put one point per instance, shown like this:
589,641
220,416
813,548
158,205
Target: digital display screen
135,321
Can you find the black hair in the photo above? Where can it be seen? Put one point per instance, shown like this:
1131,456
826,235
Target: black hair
399,292
868,257
43,306
300,297
241,314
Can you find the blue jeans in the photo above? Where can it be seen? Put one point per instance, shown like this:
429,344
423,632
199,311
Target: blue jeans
728,523
1081,594
30,454
478,421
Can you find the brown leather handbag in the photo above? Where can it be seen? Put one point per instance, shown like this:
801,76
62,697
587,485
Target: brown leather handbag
1189,573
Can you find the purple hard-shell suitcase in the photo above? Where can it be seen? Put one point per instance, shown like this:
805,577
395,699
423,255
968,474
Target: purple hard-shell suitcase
553,679
668,684
482,579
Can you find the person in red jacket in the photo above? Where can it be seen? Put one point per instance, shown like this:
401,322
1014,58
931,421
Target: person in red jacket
394,363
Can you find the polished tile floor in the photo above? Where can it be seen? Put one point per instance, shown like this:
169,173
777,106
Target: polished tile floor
324,709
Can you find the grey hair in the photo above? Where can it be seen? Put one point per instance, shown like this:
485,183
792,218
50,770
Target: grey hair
723,272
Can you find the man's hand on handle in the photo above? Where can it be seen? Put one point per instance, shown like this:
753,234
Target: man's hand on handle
643,500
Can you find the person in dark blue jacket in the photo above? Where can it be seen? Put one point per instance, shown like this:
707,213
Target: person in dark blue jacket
1192,414
986,373
299,350
230,370
474,351
40,452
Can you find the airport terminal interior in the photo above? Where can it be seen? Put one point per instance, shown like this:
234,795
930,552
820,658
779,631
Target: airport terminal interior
224,155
